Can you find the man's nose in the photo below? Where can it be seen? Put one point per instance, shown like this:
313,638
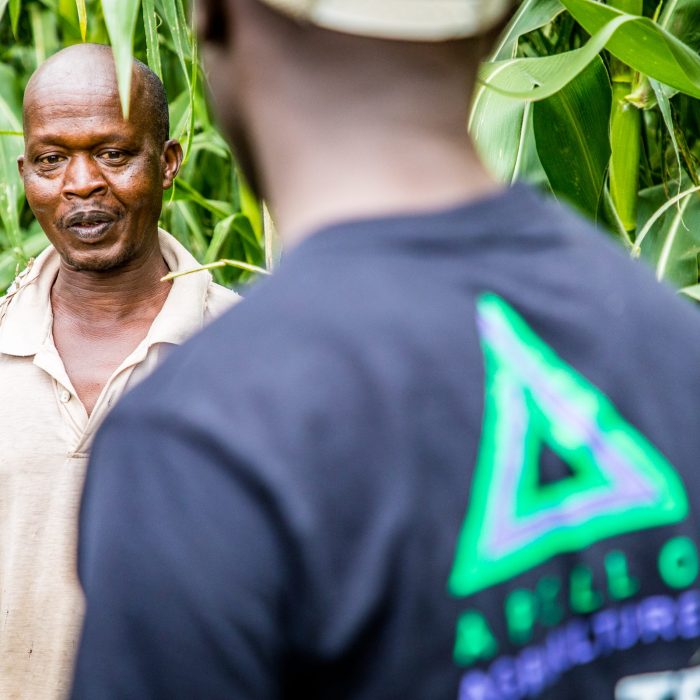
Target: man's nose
83,178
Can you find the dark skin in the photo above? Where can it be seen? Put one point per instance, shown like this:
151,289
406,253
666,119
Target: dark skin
94,182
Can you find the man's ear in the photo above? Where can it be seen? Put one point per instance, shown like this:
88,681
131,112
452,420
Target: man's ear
172,160
20,165
213,21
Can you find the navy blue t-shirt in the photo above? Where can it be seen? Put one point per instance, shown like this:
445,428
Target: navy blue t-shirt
449,455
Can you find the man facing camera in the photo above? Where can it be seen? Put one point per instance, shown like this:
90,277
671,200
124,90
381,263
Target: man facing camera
85,322
448,451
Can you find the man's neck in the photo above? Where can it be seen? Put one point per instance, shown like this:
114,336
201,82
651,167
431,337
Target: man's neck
370,128
108,313
112,296
386,172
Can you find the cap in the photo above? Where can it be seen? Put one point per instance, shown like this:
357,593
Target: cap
411,20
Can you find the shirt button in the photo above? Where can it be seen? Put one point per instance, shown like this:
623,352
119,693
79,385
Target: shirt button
65,396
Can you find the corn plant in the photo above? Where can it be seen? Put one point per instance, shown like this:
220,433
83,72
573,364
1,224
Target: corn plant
209,209
598,103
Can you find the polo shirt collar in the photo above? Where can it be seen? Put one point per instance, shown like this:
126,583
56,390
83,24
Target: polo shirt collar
29,317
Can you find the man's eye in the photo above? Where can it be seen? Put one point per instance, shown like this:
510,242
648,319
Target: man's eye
114,156
51,159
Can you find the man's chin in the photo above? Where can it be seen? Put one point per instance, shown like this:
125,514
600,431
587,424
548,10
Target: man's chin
98,263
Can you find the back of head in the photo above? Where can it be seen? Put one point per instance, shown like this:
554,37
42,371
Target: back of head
295,80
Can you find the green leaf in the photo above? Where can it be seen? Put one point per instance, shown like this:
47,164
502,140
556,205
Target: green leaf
682,19
571,132
662,57
502,126
10,147
10,107
693,291
632,7
642,44
15,10
193,96
120,18
151,30
663,208
172,16
671,241
185,191
33,244
3,5
237,222
82,17
531,15
221,231
43,23
663,100
542,77
251,209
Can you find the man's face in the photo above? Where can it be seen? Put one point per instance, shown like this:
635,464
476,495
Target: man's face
93,180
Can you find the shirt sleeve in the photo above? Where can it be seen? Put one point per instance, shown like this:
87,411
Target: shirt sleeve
180,563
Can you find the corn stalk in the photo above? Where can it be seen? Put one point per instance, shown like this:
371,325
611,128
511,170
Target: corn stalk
625,131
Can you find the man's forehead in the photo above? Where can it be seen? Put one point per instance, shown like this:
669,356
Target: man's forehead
54,107
51,95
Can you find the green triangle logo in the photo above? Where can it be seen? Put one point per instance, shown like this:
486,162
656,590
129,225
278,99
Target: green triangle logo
619,481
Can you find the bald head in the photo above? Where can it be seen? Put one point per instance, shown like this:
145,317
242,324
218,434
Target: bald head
90,68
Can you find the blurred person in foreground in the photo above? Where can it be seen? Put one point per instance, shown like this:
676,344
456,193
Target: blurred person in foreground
448,451
87,320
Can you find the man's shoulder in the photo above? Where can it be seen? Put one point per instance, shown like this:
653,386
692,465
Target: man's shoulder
26,302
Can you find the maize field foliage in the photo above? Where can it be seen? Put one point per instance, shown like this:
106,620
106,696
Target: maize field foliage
599,103
209,209
595,102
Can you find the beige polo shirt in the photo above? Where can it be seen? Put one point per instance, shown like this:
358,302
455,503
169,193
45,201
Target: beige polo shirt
45,434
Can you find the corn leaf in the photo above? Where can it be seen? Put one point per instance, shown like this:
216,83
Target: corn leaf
671,240
542,77
664,57
120,18
682,19
571,132
502,130
82,18
642,44
151,30
178,32
15,9
655,216
252,210
10,148
221,231
502,126
43,23
663,100
531,15
193,97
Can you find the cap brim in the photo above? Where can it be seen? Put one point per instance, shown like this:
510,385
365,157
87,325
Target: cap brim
410,20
